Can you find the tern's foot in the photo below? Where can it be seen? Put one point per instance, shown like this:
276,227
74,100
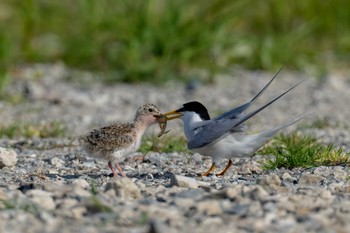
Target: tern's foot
207,173
203,174
226,168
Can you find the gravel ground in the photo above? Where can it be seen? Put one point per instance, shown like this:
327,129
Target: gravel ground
52,186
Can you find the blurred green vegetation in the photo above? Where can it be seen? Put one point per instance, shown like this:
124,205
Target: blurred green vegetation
156,40
43,130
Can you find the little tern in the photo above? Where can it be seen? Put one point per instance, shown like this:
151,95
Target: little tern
223,137
117,141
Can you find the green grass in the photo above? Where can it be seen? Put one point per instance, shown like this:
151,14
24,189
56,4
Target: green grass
293,150
156,40
96,206
46,130
166,144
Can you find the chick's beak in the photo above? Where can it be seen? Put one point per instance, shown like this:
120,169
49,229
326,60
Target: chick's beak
157,115
173,115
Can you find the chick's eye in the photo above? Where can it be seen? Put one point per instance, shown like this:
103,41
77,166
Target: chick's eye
150,110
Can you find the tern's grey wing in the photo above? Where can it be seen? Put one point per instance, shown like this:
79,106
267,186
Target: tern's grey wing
235,112
210,132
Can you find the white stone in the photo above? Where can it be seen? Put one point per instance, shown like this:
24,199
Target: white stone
8,157
286,176
270,180
57,162
42,198
184,181
124,188
209,207
81,183
311,179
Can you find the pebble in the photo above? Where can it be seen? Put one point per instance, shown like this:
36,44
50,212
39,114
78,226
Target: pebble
8,157
183,181
81,183
124,188
270,180
311,179
42,198
56,162
287,177
209,207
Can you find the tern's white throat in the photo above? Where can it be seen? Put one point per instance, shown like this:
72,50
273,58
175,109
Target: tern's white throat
191,121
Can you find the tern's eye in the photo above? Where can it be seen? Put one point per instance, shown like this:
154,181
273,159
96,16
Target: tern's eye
150,110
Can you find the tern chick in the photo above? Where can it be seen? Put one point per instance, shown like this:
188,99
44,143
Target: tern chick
116,142
224,137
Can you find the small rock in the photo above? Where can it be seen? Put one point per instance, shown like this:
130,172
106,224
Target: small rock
270,180
346,189
326,194
81,183
336,187
212,221
311,179
42,198
323,170
287,177
233,192
245,170
340,174
250,168
57,162
80,192
124,188
255,192
68,203
183,181
78,212
8,157
53,171
185,203
209,207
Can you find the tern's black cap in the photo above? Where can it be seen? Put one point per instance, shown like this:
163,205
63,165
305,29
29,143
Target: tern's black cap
196,107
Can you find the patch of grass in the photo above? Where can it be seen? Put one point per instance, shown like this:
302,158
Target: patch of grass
166,143
96,206
7,204
46,130
143,218
94,189
156,40
293,150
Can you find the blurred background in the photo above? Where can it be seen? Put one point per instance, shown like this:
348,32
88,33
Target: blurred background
157,40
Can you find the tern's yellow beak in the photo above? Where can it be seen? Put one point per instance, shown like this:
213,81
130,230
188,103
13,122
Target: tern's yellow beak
172,115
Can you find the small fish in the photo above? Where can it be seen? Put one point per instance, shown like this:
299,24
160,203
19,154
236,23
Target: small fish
162,125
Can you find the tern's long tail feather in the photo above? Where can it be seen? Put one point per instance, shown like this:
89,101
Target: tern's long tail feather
235,112
258,140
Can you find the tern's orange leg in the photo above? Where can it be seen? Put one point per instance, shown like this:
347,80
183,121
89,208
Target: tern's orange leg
112,169
210,170
226,168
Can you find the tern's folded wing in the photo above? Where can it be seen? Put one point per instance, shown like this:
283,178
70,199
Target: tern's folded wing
210,132
217,128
